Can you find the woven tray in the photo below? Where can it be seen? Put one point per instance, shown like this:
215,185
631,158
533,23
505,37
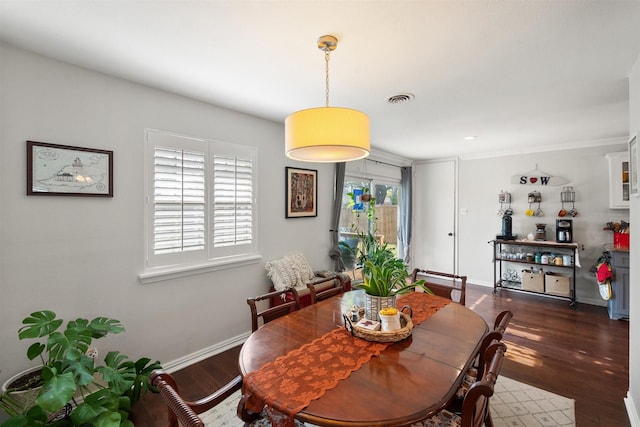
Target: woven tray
381,336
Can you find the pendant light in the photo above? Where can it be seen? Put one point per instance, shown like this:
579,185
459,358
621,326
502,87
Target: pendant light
327,134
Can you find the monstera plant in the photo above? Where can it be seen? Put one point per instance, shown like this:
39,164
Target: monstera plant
71,388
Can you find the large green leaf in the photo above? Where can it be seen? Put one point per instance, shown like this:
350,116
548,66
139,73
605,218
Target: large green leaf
101,326
143,368
108,419
95,405
119,372
82,369
39,324
35,350
71,345
57,390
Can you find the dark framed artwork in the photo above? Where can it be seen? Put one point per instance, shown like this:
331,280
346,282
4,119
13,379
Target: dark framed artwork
302,192
63,170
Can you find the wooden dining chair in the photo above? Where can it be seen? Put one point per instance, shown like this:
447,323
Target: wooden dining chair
475,407
272,312
321,291
185,413
446,285
477,370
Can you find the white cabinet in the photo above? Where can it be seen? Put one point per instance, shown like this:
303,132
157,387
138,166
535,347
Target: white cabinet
618,180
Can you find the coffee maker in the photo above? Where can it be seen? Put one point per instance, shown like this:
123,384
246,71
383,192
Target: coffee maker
506,229
564,230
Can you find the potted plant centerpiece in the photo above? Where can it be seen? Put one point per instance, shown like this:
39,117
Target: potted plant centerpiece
384,275
70,387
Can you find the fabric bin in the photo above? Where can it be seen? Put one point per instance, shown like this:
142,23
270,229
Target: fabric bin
532,281
556,284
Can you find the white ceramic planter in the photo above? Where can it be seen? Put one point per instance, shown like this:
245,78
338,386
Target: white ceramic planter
373,305
28,397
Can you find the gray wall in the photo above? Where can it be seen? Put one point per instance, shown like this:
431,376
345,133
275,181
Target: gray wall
481,180
81,256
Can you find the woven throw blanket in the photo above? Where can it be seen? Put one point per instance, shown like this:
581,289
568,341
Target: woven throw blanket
289,383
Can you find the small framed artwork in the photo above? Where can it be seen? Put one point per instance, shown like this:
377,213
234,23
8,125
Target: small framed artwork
633,166
63,170
358,205
302,192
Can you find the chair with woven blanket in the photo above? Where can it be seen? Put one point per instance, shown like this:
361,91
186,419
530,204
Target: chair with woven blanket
321,293
200,413
475,407
446,285
260,317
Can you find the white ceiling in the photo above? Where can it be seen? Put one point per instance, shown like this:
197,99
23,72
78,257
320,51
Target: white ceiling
517,74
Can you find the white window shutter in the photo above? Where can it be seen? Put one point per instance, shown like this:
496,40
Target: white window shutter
232,201
179,200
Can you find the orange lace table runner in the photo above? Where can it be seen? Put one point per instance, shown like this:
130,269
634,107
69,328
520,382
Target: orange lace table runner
288,384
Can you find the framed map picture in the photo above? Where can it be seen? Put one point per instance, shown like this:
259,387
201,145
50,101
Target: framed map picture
62,170
302,192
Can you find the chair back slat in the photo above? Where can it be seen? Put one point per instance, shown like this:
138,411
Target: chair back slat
271,313
319,291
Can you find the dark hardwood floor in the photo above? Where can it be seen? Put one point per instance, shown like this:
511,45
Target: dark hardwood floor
581,354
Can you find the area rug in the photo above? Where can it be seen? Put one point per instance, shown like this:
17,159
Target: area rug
514,404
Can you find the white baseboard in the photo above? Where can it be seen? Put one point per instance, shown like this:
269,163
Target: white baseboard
190,359
632,411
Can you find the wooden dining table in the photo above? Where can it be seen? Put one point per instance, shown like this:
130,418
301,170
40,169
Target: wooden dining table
408,381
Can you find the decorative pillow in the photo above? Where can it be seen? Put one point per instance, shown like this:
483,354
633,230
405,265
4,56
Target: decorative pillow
300,263
281,274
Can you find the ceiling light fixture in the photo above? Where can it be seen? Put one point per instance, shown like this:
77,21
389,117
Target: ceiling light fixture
327,134
470,138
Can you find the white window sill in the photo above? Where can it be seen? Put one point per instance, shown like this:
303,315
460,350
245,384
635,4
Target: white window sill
173,272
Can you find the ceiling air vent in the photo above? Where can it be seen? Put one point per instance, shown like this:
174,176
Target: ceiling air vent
401,98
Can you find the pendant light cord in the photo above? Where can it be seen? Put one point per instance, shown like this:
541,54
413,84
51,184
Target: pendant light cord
326,93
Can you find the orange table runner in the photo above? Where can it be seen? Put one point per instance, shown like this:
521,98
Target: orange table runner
288,384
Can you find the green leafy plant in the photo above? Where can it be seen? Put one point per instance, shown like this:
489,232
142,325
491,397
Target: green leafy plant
69,374
383,273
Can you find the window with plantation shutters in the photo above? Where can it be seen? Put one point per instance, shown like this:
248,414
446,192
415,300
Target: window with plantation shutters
178,200
200,200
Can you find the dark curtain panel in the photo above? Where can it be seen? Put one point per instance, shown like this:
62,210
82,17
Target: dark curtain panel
335,253
405,213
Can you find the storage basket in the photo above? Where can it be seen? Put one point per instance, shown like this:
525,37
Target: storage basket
381,336
532,281
556,284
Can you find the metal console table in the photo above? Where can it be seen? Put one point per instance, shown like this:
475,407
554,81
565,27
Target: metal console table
503,252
